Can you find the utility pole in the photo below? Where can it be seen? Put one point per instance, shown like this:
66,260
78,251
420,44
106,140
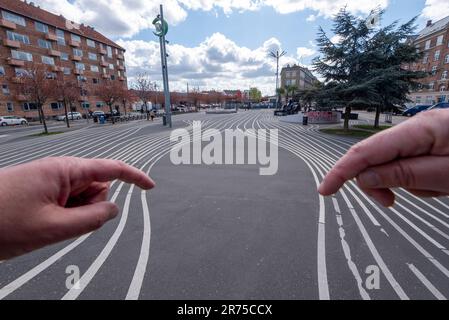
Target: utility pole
161,31
277,55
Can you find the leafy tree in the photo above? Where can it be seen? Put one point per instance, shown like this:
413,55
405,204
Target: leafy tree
290,91
255,94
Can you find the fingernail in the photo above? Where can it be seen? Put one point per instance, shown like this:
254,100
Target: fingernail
369,179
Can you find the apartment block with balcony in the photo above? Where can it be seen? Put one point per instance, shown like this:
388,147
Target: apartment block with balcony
433,42
29,34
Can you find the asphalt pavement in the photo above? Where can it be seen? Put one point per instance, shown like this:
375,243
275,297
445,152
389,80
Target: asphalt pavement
226,232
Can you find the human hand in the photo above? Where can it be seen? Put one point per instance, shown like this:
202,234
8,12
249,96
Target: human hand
413,155
55,199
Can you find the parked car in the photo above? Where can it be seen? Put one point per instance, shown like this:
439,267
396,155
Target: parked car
97,114
441,105
413,111
12,121
71,116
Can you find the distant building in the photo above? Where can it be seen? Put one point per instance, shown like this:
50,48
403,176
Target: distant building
433,41
298,76
74,51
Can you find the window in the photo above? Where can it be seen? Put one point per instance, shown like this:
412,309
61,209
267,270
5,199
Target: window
51,75
92,56
437,55
80,66
426,58
94,69
75,38
61,37
67,71
29,106
447,59
64,56
428,42
418,100
434,70
112,77
81,78
90,43
95,81
442,89
2,70
77,52
431,86
109,49
21,72
85,105
48,60
99,104
5,89
9,106
17,37
41,27
56,105
13,18
21,55
440,40
444,75
44,44
111,66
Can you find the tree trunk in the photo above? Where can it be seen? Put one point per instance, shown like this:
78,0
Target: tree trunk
66,115
377,119
43,118
347,116
146,110
112,113
124,107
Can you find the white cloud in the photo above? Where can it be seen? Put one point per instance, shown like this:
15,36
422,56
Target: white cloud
216,63
125,18
436,9
304,52
311,18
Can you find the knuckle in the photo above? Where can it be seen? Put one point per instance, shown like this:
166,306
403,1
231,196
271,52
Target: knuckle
404,175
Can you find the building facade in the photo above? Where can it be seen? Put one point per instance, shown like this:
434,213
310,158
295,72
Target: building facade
30,35
297,76
433,41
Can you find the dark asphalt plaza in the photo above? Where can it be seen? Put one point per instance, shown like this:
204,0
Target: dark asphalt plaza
225,232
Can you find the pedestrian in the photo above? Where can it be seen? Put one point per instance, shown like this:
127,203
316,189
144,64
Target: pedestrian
152,114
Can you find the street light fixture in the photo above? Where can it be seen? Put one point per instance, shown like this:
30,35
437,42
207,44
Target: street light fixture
277,55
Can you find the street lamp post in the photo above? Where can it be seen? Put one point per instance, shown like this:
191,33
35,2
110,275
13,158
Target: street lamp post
161,31
277,55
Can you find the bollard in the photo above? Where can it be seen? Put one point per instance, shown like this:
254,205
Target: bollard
305,120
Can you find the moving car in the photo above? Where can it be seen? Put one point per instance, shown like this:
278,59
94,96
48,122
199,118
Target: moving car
413,111
71,115
12,120
441,105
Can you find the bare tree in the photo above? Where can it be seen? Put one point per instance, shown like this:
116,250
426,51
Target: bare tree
110,92
67,92
144,90
126,97
38,87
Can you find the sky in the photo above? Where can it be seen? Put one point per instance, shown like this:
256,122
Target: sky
224,44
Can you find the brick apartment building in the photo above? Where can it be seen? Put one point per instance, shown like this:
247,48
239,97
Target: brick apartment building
29,34
433,41
298,76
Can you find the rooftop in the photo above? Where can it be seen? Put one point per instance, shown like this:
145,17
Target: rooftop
32,11
434,27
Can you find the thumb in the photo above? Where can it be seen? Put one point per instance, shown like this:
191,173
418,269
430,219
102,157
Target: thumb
74,222
429,173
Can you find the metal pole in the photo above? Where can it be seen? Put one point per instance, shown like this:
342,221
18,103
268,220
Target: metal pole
165,75
277,80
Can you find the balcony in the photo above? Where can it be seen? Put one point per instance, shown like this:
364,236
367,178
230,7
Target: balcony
122,68
104,64
121,79
21,97
75,44
17,80
7,24
11,43
57,69
78,72
15,62
76,58
51,37
54,53
105,76
120,57
102,52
